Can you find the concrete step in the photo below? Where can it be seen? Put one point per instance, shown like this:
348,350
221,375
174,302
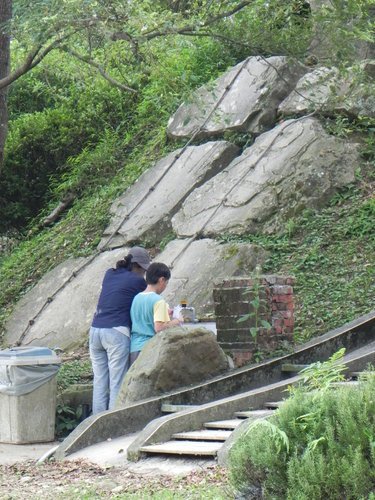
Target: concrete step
201,448
224,424
253,414
273,404
292,368
168,408
204,435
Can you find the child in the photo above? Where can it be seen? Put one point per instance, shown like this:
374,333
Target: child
149,312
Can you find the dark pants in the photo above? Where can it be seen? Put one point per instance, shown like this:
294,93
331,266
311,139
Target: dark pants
134,356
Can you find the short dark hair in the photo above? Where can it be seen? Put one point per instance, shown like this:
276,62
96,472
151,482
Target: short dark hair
155,271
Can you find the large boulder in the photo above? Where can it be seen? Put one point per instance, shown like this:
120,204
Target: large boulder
145,209
172,359
257,86
296,165
324,89
197,264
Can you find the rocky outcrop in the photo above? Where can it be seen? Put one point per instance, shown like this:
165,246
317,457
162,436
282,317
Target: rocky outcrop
145,209
174,358
245,98
296,165
209,190
325,90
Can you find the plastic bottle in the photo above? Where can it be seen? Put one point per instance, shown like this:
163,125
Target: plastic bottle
187,312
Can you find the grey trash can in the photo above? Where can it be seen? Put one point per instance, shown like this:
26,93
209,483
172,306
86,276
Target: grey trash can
28,395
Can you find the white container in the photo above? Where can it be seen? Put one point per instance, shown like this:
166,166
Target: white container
28,395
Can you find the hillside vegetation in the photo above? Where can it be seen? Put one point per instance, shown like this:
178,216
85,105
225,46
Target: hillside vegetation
73,134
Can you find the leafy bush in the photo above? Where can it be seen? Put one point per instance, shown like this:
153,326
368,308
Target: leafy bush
319,444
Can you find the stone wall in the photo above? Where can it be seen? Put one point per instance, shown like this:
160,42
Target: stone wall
237,298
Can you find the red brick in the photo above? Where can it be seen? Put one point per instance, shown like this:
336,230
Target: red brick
282,298
278,330
289,322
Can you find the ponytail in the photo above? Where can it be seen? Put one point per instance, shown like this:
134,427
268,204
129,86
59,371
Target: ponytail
126,263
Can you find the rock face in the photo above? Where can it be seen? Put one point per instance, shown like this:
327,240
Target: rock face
207,191
145,209
325,90
296,165
66,320
259,85
197,264
175,358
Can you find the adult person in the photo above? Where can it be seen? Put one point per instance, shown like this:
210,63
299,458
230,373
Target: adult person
149,312
110,330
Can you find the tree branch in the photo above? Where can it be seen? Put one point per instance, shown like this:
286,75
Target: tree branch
100,68
34,57
183,30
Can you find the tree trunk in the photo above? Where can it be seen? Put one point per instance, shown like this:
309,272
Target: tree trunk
5,17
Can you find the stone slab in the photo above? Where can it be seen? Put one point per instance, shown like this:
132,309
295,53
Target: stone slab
324,89
66,320
184,448
196,265
295,166
203,435
223,424
257,86
145,209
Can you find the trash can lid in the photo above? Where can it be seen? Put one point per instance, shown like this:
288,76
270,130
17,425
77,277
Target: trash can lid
28,355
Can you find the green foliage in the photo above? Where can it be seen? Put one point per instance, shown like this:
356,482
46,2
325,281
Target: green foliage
67,419
257,303
71,373
321,375
319,444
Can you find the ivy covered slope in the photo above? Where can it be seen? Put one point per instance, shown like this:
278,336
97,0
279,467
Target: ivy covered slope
73,135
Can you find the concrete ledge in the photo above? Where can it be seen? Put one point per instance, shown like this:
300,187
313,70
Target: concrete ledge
122,421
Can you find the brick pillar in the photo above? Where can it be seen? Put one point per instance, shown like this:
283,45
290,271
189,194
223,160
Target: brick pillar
233,297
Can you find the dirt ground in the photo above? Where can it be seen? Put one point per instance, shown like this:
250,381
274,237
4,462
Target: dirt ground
82,480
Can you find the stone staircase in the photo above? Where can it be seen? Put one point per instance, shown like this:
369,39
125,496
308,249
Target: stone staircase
209,440
206,441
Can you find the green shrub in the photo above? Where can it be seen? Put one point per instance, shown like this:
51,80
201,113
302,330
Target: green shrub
319,444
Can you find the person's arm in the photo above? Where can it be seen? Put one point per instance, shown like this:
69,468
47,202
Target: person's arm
164,325
162,320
